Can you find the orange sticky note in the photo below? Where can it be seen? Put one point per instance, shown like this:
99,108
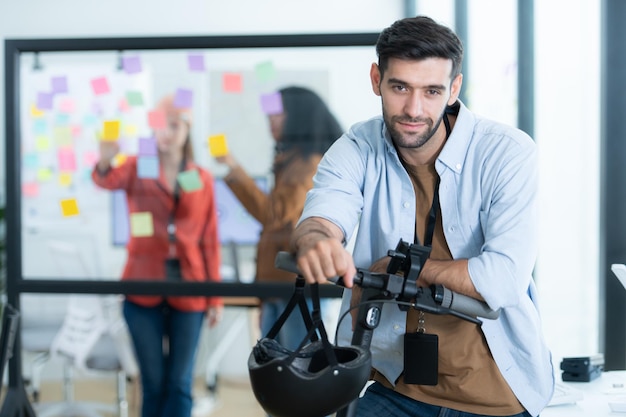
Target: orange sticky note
231,82
157,120
218,145
69,207
111,130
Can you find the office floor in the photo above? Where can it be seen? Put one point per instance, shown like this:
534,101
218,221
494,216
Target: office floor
234,398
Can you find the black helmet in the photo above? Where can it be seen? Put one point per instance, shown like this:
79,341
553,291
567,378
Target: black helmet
317,378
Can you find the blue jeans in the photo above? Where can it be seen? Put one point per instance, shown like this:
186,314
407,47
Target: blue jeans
166,368
294,329
381,401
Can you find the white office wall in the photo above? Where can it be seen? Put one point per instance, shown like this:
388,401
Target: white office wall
567,120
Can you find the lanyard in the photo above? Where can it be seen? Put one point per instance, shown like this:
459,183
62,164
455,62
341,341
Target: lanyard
171,227
434,208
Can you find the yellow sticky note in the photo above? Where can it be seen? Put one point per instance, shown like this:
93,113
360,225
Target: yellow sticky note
65,179
141,224
111,130
44,174
69,207
119,159
35,112
42,143
218,145
130,130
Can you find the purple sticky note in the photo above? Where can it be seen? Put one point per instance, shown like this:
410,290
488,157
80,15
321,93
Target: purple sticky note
272,103
148,167
183,98
196,62
132,64
147,147
59,84
44,101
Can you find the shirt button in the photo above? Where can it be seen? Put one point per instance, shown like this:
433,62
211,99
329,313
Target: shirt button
396,327
458,166
406,204
452,228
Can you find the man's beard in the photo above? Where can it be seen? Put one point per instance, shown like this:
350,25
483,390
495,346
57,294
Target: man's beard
414,140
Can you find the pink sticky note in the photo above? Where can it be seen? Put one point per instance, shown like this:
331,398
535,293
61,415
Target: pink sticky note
90,158
67,159
123,105
30,189
100,85
156,119
272,103
196,62
67,105
231,82
183,98
76,130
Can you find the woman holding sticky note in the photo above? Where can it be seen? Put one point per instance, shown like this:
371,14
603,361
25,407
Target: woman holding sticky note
303,128
173,224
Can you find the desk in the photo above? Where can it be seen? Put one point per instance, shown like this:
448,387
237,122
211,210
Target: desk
609,387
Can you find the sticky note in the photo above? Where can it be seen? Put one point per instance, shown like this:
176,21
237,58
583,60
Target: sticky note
65,179
183,98
156,119
66,105
130,130
111,130
189,180
218,145
76,130
35,111
134,98
131,64
147,147
44,174
148,167
59,84
119,159
69,207
30,189
31,160
63,136
231,82
195,62
272,103
62,119
90,158
67,159
141,224
44,101
265,71
123,105
100,85
42,143
40,126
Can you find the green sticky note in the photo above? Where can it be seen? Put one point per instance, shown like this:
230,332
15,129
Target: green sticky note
134,98
190,180
141,224
63,136
265,71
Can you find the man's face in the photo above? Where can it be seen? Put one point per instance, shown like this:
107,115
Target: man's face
414,96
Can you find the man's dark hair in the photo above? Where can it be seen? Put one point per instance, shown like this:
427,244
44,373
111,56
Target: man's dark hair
417,38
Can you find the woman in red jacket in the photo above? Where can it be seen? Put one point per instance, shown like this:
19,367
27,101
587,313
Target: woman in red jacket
178,242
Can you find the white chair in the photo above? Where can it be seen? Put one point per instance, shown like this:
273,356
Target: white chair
92,338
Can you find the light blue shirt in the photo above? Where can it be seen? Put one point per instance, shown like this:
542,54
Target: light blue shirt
488,195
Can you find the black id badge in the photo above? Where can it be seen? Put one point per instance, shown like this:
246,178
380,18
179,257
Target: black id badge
421,356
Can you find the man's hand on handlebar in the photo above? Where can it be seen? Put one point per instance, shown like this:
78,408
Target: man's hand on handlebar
320,254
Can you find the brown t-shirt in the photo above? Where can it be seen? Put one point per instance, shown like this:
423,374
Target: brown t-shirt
468,379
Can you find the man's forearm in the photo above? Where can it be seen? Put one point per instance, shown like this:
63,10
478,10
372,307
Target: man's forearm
311,230
454,275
